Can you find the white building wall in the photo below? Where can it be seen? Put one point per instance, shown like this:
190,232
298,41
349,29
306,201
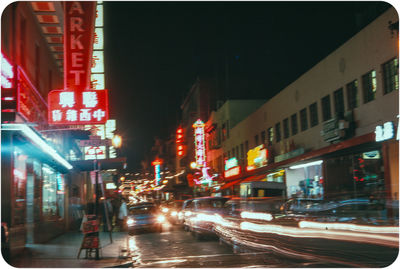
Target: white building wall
366,51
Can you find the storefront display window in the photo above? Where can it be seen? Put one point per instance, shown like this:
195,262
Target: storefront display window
276,176
304,181
19,212
53,199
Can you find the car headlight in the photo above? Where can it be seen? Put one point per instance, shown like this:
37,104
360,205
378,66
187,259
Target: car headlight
130,221
164,210
160,218
188,213
174,213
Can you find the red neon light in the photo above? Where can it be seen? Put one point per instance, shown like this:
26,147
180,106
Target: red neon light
78,43
72,107
179,131
156,162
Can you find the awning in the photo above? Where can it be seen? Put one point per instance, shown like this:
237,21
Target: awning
230,184
254,178
39,146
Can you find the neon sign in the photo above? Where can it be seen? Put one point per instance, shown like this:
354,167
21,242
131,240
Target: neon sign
7,73
384,132
72,107
157,170
232,162
257,157
199,143
232,172
78,42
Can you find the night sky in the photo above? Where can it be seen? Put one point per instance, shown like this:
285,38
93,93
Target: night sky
155,50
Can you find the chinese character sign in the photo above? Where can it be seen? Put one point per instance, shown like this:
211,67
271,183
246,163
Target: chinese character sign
73,107
199,143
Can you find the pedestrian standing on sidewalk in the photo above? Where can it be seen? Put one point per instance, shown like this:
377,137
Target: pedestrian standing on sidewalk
123,213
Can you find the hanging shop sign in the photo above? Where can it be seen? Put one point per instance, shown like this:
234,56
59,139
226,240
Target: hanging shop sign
384,132
257,157
79,18
71,107
157,171
199,143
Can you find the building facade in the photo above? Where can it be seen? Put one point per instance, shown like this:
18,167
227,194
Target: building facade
331,131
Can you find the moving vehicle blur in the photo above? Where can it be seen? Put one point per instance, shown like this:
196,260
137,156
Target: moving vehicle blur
203,213
144,216
171,210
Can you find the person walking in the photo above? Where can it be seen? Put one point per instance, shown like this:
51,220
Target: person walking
123,213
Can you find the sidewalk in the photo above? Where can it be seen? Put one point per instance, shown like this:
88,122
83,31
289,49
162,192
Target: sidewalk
62,252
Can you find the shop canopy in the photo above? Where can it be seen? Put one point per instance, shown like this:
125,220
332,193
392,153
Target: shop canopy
35,145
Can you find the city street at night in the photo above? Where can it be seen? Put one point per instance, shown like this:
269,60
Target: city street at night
199,134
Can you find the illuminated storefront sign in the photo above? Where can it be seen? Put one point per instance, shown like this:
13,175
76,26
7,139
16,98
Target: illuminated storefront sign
257,157
79,17
7,73
232,162
69,107
232,172
199,143
97,79
31,104
95,153
157,171
384,132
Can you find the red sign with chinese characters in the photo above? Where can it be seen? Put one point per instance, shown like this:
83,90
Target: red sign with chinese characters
79,17
73,107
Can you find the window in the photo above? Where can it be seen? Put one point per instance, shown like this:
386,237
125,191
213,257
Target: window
313,115
227,129
391,75
246,147
339,101
256,140
229,154
303,119
369,86
270,136
293,119
286,128
262,137
352,98
326,107
237,152
278,131
223,131
241,151
233,152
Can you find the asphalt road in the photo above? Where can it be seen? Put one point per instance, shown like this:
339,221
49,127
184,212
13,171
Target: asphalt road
177,248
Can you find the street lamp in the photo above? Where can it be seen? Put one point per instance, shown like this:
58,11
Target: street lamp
117,141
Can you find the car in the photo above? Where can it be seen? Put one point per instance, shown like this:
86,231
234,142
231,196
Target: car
144,217
172,210
203,211
185,213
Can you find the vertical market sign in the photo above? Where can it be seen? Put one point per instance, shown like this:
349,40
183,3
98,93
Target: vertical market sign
79,20
77,103
199,143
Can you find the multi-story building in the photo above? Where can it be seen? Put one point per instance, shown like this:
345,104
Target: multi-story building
333,130
32,172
